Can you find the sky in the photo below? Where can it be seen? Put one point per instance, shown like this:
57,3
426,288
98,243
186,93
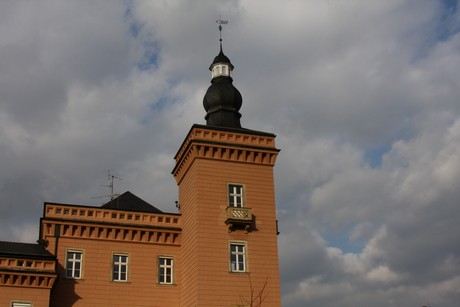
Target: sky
364,97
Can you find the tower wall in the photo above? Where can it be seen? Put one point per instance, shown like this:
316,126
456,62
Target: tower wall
207,162
189,248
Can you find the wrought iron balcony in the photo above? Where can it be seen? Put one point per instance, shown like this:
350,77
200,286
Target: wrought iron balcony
238,217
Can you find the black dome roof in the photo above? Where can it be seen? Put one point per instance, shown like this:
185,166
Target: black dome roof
222,102
222,93
221,58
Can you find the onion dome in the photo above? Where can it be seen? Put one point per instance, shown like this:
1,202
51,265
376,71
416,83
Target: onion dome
222,100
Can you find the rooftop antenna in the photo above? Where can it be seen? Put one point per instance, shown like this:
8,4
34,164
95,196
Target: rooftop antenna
111,178
221,22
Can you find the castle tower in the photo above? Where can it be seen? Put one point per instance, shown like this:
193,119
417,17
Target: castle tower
229,254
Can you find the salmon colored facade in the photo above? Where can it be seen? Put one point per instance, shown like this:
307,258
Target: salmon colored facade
37,297
24,280
99,234
209,161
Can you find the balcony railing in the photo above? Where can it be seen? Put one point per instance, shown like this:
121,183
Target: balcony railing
237,217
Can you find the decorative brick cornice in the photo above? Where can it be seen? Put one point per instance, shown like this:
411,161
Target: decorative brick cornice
239,136
102,215
20,264
26,279
99,231
207,143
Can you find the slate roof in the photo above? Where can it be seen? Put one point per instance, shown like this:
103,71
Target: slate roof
24,250
130,202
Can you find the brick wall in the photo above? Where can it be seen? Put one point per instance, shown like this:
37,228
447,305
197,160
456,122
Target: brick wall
36,296
203,182
96,286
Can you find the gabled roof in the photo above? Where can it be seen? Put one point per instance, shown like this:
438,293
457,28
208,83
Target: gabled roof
130,202
24,250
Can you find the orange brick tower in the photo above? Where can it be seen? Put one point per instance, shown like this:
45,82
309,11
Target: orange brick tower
229,254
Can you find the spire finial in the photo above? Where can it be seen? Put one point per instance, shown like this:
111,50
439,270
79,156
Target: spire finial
221,22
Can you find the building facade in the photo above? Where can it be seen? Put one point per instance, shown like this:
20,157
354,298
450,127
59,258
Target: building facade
27,274
220,250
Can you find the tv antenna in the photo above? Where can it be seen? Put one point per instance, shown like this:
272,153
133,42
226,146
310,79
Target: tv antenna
111,178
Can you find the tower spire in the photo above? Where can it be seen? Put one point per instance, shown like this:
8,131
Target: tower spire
222,101
221,22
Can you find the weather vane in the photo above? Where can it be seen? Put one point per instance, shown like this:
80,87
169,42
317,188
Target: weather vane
221,22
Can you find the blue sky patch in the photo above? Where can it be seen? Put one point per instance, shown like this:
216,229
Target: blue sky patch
374,156
342,242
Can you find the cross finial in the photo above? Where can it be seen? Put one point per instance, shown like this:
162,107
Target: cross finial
221,22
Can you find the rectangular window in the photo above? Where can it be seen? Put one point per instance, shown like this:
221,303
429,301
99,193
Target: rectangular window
74,264
235,195
166,270
17,304
120,267
237,257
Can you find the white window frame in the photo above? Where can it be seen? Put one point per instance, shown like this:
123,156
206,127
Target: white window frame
238,257
165,270
73,262
117,265
235,195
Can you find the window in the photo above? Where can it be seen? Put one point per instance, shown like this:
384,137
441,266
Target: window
74,264
18,304
165,274
237,257
120,267
235,195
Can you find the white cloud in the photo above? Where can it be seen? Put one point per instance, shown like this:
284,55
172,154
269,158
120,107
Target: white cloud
382,274
83,91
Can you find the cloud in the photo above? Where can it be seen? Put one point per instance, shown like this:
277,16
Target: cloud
363,96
